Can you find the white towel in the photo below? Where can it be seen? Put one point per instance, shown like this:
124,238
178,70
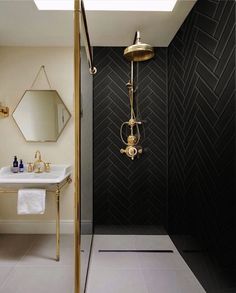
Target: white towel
31,201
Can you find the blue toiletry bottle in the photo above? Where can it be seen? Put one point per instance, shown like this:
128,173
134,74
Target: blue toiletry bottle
21,166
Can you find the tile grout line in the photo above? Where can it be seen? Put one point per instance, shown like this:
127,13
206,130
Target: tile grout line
27,251
7,277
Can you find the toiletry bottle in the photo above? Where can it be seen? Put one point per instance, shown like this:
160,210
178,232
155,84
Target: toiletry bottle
30,167
21,166
15,167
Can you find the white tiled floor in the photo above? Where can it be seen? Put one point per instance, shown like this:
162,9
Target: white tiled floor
86,241
40,279
135,272
27,264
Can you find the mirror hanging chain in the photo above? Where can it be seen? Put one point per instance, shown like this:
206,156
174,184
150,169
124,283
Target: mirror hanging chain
42,68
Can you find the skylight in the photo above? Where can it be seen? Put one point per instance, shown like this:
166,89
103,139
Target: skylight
109,5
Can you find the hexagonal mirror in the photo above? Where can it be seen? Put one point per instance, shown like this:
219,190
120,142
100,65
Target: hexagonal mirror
41,115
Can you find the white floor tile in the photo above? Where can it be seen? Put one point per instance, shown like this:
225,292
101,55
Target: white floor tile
4,272
84,259
13,247
116,281
85,242
164,261
43,251
171,281
27,264
114,260
153,242
39,280
114,242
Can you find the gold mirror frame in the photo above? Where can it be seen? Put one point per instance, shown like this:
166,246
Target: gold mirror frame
23,131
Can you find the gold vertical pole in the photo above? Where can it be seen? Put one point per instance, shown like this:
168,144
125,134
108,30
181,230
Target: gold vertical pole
77,7
58,223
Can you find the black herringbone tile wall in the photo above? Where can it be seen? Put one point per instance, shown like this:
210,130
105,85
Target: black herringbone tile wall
129,192
201,83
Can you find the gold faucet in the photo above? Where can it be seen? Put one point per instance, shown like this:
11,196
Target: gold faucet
38,154
39,166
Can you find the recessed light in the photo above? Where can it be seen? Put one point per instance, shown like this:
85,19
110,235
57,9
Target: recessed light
109,5
54,4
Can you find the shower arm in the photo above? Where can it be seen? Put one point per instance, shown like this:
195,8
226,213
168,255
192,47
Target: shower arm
136,37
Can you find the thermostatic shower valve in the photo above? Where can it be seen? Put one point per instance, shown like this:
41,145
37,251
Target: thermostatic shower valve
132,150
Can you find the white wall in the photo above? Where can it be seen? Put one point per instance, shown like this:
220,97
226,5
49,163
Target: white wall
18,68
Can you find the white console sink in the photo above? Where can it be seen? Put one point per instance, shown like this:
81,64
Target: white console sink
57,174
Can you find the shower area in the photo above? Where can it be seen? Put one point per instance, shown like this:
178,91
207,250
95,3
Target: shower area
161,209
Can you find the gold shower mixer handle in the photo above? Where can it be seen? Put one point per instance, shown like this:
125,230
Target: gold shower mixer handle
140,151
132,122
131,151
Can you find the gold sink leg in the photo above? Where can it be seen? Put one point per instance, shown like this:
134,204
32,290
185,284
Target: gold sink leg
58,223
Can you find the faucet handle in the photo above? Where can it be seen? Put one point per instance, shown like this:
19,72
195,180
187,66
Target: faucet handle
47,167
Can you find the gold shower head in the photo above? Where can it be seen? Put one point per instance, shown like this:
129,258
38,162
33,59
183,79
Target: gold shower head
138,51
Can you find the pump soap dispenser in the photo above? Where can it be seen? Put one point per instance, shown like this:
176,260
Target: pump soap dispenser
15,168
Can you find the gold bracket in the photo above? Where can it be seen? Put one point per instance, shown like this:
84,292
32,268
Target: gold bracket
4,111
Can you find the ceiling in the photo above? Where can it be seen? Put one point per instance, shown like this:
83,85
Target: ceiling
22,24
